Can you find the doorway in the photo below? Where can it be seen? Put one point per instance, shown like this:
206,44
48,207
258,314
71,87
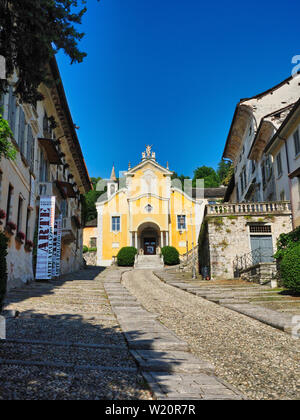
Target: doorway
150,246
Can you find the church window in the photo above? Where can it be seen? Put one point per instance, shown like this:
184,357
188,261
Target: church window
181,222
149,208
116,223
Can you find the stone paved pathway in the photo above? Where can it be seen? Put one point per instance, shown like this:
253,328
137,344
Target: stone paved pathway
260,361
67,344
165,360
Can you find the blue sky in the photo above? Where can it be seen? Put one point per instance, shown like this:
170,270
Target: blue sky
169,73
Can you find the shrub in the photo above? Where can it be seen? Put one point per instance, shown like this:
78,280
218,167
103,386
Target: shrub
3,268
171,255
85,249
290,268
126,256
93,249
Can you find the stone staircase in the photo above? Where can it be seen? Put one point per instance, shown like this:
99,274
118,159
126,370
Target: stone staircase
149,262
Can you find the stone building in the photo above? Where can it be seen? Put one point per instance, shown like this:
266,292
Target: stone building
284,149
255,122
238,237
49,162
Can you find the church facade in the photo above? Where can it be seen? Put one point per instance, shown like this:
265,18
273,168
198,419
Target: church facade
145,209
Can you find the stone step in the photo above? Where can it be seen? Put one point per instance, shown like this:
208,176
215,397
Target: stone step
171,361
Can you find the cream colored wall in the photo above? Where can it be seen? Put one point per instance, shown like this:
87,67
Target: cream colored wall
88,233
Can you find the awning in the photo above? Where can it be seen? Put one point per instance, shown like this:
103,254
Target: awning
295,173
51,151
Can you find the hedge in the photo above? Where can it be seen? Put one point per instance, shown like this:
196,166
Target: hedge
3,268
290,268
171,255
126,256
85,249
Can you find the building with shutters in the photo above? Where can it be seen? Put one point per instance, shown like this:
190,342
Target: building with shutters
49,162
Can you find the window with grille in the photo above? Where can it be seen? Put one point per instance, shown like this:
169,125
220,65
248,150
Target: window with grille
260,229
93,242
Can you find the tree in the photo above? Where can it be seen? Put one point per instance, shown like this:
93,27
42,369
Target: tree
211,178
181,178
6,148
31,33
223,171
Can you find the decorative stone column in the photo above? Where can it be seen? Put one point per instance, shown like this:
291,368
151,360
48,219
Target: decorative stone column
167,238
136,240
162,239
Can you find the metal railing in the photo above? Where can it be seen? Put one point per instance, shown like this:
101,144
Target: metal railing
259,255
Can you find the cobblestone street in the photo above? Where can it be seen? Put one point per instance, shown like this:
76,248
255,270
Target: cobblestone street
66,344
260,361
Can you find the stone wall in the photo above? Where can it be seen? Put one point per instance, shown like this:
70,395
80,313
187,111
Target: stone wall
223,237
260,273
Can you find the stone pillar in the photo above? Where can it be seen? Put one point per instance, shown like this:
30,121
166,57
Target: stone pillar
131,239
167,238
162,239
136,240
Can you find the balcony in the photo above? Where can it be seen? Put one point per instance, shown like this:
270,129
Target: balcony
68,230
51,150
45,188
276,207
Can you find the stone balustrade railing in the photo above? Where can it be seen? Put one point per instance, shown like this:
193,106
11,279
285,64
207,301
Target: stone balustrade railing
249,208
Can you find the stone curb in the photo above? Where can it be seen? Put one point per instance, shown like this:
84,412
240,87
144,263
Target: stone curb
162,350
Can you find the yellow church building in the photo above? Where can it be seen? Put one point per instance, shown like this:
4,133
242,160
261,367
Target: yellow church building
144,208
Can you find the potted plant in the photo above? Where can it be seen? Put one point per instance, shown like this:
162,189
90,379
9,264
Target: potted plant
20,237
28,246
2,216
10,227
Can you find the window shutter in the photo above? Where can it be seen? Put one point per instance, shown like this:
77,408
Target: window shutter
12,108
21,136
30,148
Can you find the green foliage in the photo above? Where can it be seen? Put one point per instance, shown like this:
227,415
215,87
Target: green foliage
225,171
3,268
126,256
31,33
6,148
286,241
85,249
171,255
94,249
90,202
290,268
211,178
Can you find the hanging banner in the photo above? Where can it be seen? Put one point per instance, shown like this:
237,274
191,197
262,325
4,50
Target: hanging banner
45,238
57,247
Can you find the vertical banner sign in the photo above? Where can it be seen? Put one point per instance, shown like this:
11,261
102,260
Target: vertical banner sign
56,247
45,238
54,259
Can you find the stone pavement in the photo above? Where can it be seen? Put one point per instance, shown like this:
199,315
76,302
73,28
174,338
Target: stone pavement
258,360
66,344
165,361
242,298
